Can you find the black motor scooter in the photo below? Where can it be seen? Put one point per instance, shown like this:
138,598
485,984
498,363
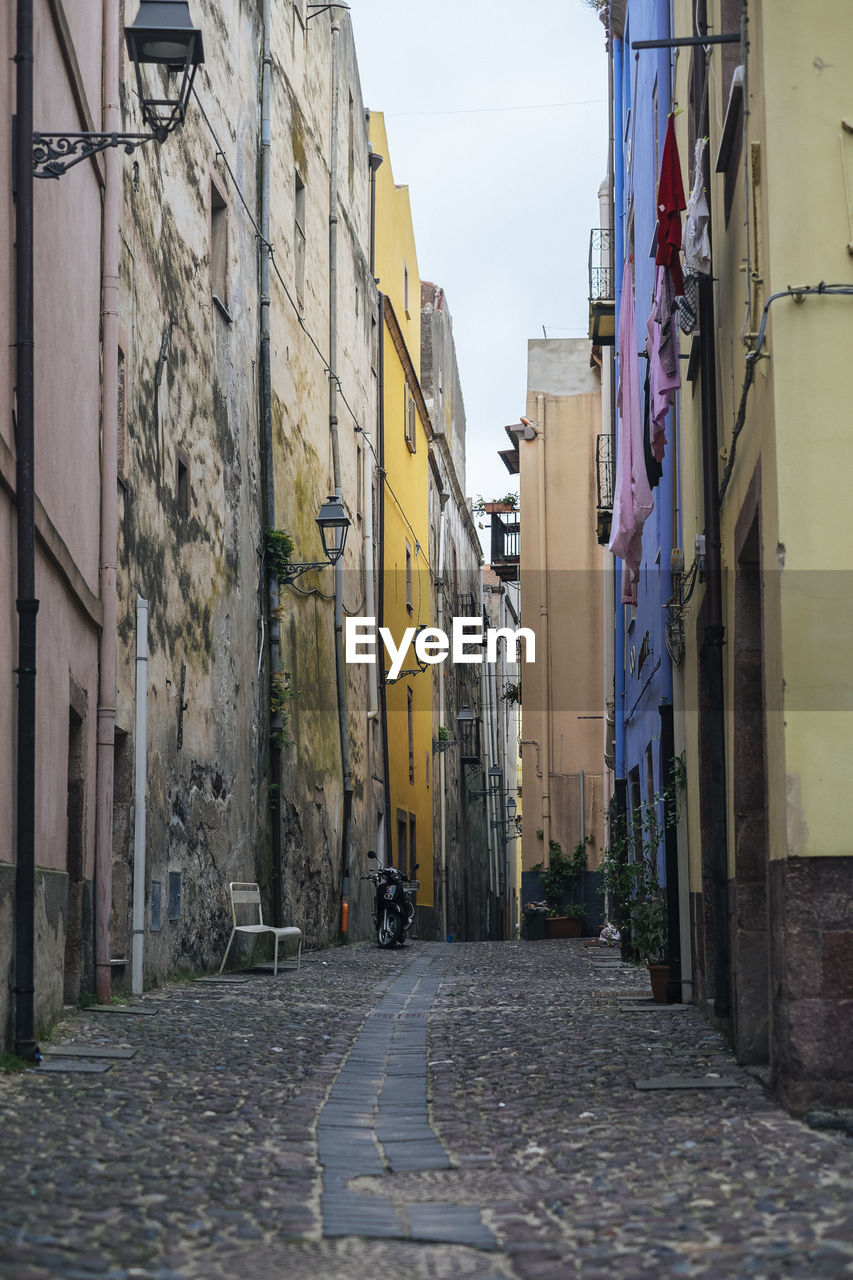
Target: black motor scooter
393,908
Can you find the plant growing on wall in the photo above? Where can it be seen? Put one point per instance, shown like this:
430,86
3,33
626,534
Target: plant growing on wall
512,693
282,694
279,550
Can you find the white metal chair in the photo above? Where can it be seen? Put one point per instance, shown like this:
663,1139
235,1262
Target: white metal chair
245,894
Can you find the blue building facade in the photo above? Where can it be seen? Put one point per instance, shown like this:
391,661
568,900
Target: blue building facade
643,674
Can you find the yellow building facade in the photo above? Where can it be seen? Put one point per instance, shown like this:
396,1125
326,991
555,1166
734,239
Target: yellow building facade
406,594
780,187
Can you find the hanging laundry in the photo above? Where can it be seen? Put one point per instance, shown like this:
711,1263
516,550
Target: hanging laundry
654,470
632,497
688,304
664,367
697,245
670,205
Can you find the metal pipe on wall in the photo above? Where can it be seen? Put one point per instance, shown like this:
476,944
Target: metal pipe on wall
272,592
340,665
442,713
26,602
140,811
109,509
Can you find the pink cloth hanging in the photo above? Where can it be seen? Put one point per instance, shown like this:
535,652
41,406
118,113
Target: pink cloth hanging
664,364
632,497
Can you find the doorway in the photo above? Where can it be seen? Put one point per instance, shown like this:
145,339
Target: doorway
750,932
74,849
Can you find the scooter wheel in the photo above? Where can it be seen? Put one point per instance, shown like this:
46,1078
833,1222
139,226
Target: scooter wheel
389,930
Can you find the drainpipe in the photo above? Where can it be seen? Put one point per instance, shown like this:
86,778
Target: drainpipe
374,160
542,638
491,831
269,468
713,639
340,666
139,802
370,571
109,511
380,617
442,712
619,258
26,603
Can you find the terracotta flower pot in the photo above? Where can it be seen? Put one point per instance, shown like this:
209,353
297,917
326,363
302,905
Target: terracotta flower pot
659,974
562,927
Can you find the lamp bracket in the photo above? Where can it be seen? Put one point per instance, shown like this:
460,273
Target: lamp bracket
54,153
293,571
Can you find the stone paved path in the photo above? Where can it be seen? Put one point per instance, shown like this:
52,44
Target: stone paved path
491,1111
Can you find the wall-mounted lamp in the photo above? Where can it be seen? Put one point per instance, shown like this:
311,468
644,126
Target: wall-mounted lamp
161,36
333,524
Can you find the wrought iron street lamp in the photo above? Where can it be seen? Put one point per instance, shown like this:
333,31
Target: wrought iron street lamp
333,524
162,36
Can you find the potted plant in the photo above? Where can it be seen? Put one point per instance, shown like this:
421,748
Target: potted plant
649,936
630,871
565,916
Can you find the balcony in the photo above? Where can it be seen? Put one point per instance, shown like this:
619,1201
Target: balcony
604,487
602,294
506,543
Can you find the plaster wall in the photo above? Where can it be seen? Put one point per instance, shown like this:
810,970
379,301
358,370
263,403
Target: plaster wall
560,706
66,294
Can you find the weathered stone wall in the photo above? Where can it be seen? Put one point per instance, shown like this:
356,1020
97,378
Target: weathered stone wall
190,518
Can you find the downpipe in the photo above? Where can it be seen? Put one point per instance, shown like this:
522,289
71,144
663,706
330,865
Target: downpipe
140,810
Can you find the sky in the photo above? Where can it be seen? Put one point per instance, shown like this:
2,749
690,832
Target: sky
497,122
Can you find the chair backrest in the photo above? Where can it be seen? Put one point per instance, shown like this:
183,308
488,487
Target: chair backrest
245,893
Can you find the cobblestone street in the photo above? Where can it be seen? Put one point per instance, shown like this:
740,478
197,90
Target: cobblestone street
488,1110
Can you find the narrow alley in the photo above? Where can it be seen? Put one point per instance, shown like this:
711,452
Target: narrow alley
498,1111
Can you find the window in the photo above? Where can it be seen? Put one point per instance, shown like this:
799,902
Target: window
410,710
402,837
299,239
351,143
406,290
121,458
218,247
650,776
174,895
410,421
182,482
636,813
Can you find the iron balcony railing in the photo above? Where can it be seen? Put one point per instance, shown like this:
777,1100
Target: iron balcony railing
600,265
604,472
506,545
604,487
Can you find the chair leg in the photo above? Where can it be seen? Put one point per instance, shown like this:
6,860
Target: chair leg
227,949
299,953
275,958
